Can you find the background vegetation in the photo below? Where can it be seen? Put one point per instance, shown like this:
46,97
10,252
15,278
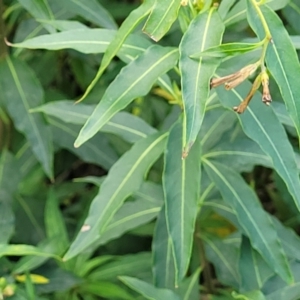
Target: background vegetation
151,186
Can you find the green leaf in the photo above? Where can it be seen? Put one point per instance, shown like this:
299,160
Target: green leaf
131,128
129,24
39,10
205,31
84,40
181,183
92,11
135,80
239,11
253,270
224,257
124,178
260,123
254,221
225,50
131,264
162,17
147,290
64,25
257,295
281,58
292,14
163,260
97,151
144,208
225,7
21,91
54,223
21,250
7,221
189,288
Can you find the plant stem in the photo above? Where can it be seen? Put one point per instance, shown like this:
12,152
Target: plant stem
262,19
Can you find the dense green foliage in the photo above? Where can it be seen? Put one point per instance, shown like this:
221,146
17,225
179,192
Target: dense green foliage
163,181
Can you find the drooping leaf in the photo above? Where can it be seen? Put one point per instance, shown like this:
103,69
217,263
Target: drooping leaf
21,91
189,287
135,80
163,15
147,290
124,178
254,221
281,58
131,128
92,11
205,31
181,182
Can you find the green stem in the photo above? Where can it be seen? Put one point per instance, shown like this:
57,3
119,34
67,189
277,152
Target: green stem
262,18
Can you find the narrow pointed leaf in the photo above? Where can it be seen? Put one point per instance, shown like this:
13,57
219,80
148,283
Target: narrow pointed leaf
282,59
92,11
225,7
189,287
145,207
292,14
147,290
39,10
84,40
163,259
253,270
124,178
205,31
20,250
224,257
227,50
135,80
254,221
131,128
98,151
162,17
129,24
21,91
181,182
260,123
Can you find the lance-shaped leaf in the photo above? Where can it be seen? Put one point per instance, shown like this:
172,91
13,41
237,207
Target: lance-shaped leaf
39,10
281,58
84,40
21,91
205,31
148,290
123,179
129,24
225,259
131,128
181,182
292,14
253,270
145,207
163,259
239,11
92,11
98,151
260,123
254,221
135,80
227,50
162,17
189,287
225,7
20,250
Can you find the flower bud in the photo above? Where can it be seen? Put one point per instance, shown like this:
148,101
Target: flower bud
266,96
